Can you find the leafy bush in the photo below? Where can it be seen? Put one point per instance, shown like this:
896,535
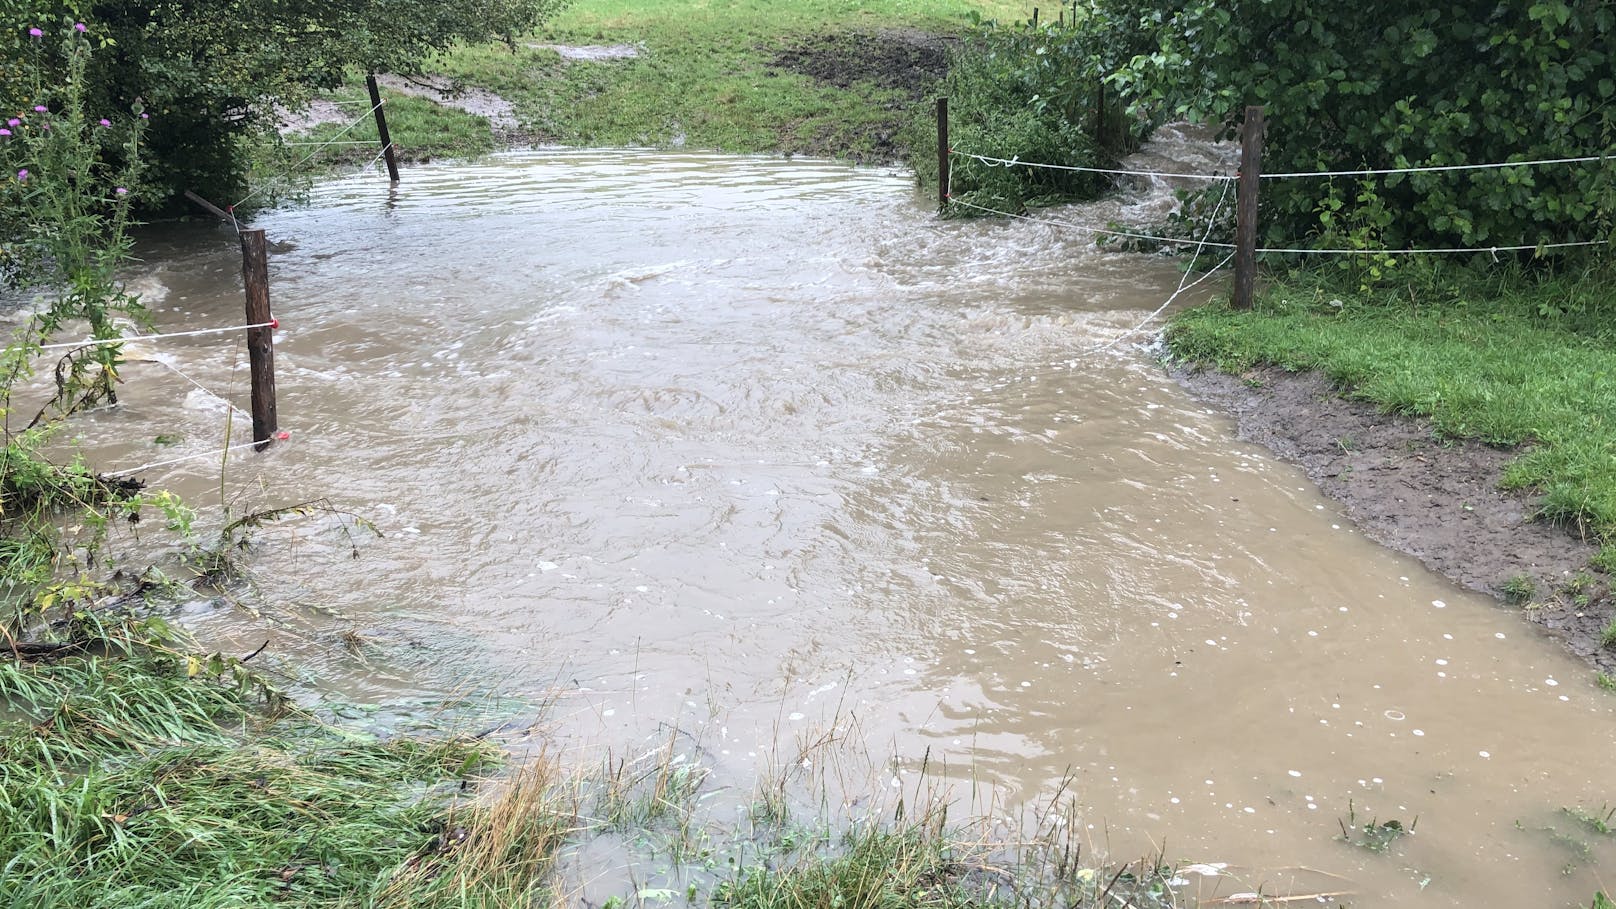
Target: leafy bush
1031,93
1390,85
212,73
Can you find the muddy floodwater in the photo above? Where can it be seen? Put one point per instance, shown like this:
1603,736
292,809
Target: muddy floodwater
758,447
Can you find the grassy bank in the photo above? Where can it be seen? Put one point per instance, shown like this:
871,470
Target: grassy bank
820,77
134,776
1502,356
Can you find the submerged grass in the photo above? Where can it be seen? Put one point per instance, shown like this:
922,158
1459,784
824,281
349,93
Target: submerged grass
129,778
1509,359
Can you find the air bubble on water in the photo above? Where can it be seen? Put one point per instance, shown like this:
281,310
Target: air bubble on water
1396,715
1484,754
1564,698
1312,634
1499,635
608,712
1250,810
1295,773
1550,682
1439,604
1447,637
795,716
1419,732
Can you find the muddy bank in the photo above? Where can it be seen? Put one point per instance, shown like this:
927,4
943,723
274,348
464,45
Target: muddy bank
906,62
1435,499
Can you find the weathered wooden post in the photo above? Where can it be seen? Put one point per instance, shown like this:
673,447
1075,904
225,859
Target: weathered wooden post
381,126
1245,231
1035,17
943,155
1099,118
260,337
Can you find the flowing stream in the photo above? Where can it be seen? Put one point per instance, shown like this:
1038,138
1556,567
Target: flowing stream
755,448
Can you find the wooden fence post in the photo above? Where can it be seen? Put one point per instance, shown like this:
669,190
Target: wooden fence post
944,155
381,127
1099,120
260,340
1245,232
1035,17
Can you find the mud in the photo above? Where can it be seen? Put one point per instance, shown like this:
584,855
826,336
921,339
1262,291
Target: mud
905,61
476,101
1433,498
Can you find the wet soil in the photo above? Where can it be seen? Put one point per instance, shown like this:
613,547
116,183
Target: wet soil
908,62
1436,499
445,91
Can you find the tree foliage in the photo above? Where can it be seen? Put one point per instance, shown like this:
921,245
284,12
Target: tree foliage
1368,85
213,72
1389,85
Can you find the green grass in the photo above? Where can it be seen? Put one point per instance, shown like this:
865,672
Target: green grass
421,129
705,78
137,777
1508,359
1518,590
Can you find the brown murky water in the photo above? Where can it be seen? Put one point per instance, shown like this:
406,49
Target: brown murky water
747,444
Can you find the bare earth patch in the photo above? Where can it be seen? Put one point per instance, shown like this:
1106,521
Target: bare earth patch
318,113
908,62
479,102
592,53
1435,499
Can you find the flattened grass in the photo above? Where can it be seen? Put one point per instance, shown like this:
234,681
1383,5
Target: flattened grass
128,781
1511,359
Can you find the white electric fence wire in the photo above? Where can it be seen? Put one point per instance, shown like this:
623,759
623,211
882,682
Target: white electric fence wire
1432,168
1457,250
181,460
379,155
310,156
1088,230
1211,225
130,339
1424,169
206,390
1294,250
1017,162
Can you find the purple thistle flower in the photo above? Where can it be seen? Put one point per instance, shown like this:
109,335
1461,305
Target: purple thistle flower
121,191
4,131
104,122
22,175
80,27
14,122
145,116
41,109
35,33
